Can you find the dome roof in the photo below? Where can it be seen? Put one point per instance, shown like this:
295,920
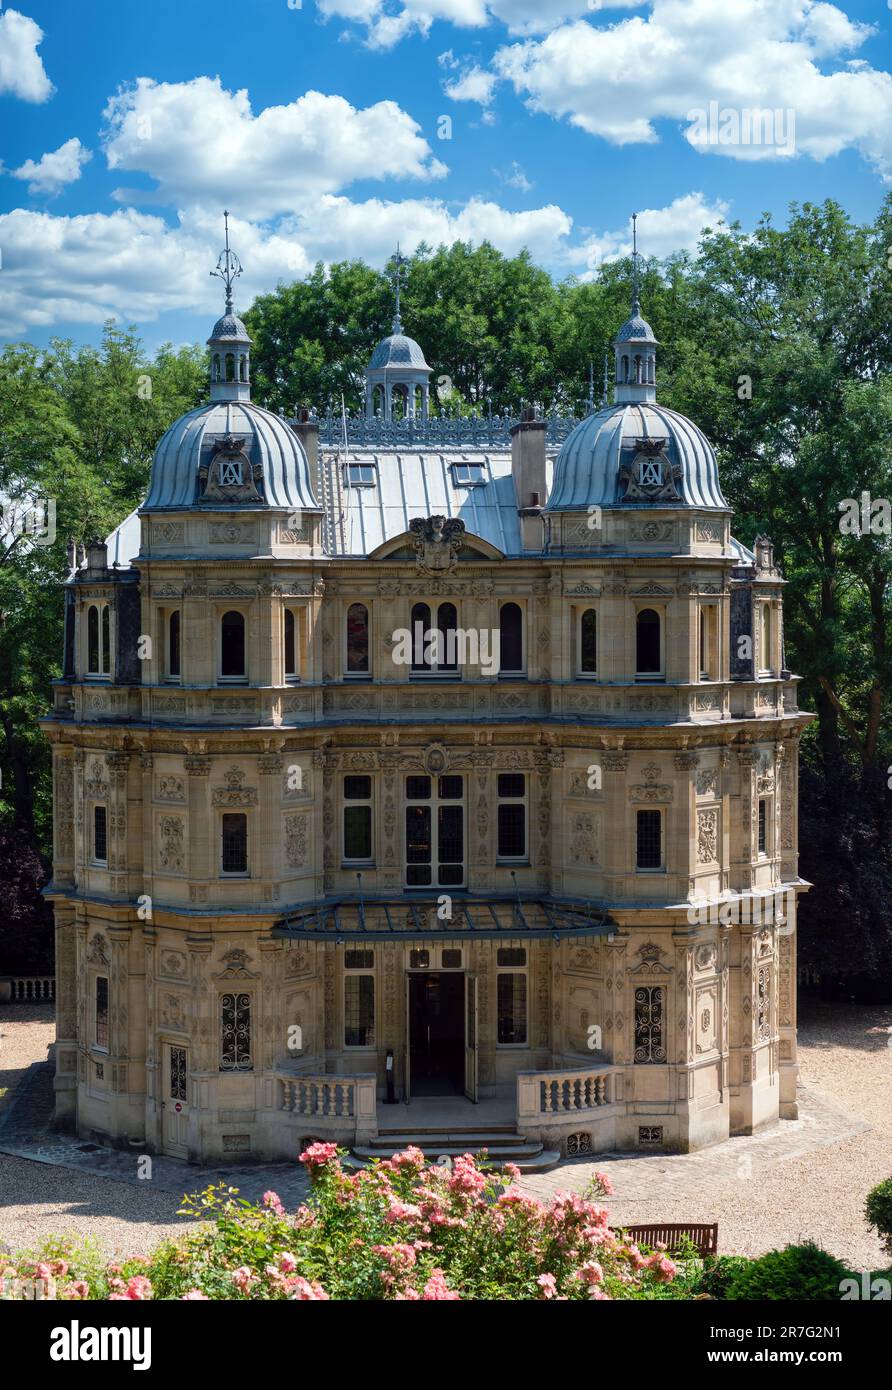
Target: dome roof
229,326
266,439
587,470
398,351
635,330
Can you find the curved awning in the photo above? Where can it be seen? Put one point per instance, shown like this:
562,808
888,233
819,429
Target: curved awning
408,919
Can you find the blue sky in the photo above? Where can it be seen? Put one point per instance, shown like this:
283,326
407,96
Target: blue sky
126,128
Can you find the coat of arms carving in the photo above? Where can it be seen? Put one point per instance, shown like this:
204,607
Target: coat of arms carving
649,476
437,541
229,475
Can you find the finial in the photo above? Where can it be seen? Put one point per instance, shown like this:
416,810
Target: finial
400,261
604,395
636,303
591,388
229,267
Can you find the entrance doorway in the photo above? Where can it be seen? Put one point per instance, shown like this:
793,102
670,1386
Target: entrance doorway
437,1033
174,1104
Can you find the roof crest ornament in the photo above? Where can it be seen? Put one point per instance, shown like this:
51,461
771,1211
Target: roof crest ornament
636,302
229,267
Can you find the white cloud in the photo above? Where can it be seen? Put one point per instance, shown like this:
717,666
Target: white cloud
385,28
616,82
514,177
476,84
133,266
205,146
54,170
661,231
21,67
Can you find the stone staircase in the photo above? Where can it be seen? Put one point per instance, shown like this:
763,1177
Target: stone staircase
502,1144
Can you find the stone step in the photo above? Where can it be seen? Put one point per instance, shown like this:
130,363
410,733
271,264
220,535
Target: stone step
430,1138
528,1155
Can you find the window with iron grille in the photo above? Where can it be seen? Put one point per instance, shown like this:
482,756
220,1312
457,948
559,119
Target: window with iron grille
588,642
178,1082
100,834
512,816
763,822
101,1029
234,843
763,1004
649,836
649,1024
235,1033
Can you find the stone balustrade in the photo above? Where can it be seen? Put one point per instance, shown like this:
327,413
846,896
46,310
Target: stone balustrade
19,989
545,1097
345,1104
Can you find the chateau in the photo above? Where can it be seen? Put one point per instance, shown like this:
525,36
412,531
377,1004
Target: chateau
402,758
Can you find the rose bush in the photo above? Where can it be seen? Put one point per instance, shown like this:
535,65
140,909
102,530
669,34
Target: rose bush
401,1229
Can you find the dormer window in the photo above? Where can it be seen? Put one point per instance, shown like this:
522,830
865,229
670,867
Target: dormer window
361,475
468,474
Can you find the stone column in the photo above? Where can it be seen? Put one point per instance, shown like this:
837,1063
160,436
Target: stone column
201,828
65,1081
63,815
479,831
268,851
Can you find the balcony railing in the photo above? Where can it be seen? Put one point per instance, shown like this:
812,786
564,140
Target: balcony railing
341,1104
552,1097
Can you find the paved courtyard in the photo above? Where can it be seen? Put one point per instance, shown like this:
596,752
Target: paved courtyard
803,1179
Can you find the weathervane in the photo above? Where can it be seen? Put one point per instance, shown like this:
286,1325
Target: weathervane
229,267
605,398
399,261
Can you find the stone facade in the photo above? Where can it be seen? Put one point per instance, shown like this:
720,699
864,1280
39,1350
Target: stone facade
252,866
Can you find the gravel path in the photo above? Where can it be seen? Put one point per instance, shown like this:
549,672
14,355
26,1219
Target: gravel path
804,1179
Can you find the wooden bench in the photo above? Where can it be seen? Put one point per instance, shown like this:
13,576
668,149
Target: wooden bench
704,1236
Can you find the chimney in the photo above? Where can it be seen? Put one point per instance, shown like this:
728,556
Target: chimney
528,471
307,431
97,557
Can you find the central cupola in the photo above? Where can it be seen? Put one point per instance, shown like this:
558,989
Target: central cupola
397,379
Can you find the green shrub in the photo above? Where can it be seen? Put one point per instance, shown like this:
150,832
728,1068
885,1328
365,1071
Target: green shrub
719,1270
796,1272
878,1210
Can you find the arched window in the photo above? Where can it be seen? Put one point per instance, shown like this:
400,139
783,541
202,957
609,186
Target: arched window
357,640
588,642
105,653
242,367
216,368
232,646
447,622
625,371
510,638
290,645
638,376
648,657
420,624
93,640
230,366
173,644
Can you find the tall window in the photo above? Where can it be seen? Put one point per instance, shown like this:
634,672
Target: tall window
512,815
357,640
649,840
100,835
588,642
435,848
235,1033
290,653
510,639
232,646
358,818
98,640
511,996
359,999
648,656
434,648
234,843
649,1045
766,654
100,1032
763,824
173,645
708,615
